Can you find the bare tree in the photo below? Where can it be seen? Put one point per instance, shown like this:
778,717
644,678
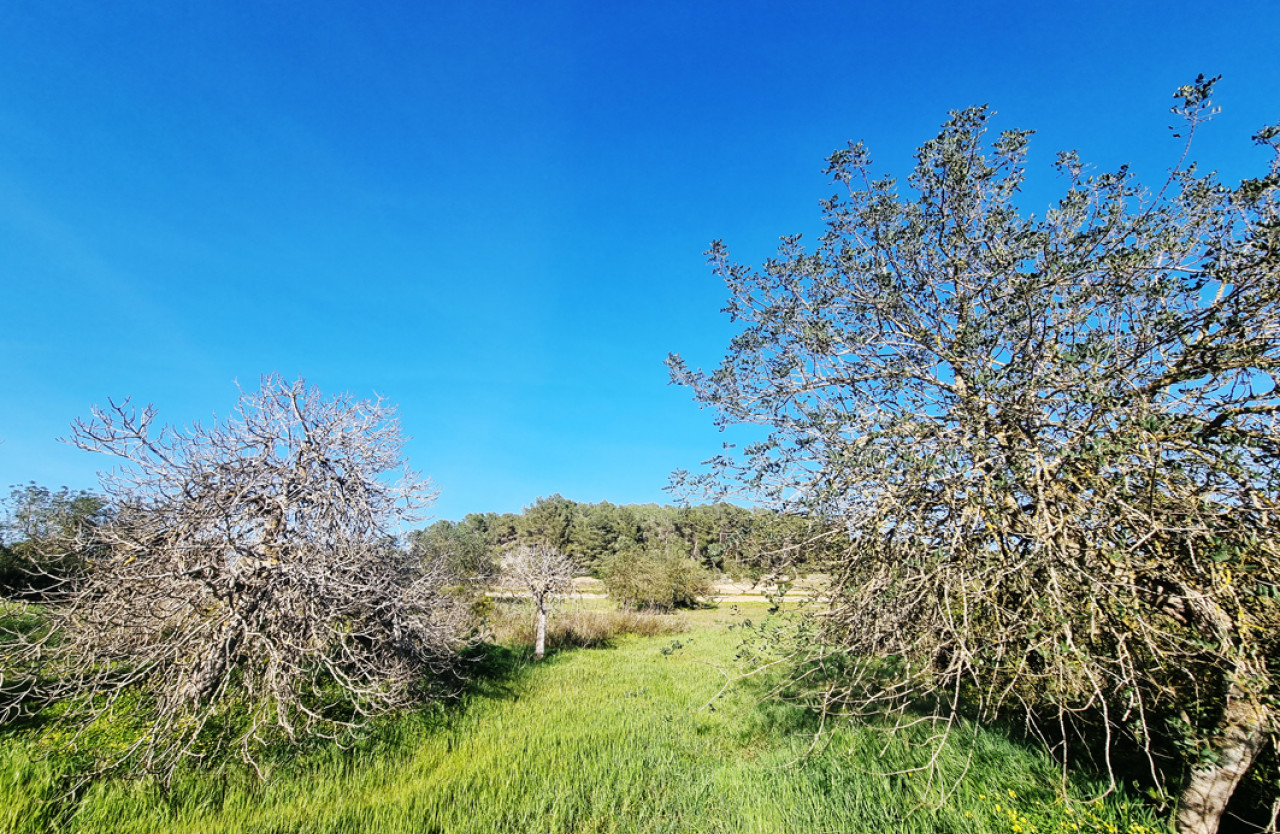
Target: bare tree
544,572
1053,442
246,588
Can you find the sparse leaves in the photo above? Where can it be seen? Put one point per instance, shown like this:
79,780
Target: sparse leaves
1037,431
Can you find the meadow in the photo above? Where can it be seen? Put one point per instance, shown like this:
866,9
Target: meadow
628,736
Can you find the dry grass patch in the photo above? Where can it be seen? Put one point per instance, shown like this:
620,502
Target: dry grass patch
582,628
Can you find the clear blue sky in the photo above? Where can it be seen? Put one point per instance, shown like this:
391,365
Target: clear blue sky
494,213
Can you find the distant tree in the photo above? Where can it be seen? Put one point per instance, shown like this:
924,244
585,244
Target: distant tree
595,534
486,525
41,537
705,529
1053,440
463,548
501,530
549,521
630,532
544,572
245,588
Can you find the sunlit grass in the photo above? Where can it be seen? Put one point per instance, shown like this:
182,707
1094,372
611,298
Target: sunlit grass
619,739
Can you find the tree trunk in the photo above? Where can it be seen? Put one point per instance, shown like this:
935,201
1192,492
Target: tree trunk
1241,734
209,672
540,639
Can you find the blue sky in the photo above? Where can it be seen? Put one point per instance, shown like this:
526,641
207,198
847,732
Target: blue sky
494,213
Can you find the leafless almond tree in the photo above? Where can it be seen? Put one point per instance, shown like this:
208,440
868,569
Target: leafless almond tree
246,589
544,572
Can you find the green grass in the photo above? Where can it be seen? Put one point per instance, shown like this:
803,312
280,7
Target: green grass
617,739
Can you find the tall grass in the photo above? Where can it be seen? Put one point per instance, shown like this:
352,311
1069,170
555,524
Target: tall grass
624,739
581,626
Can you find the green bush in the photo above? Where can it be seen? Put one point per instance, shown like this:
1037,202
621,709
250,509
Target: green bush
40,537
661,579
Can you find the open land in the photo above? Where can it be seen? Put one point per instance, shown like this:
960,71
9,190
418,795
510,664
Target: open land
643,735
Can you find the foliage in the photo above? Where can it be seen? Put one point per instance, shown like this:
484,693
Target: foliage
41,535
244,589
724,537
1053,440
462,548
661,578
549,521
21,623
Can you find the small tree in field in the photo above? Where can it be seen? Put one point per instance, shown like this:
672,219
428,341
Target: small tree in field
1053,440
245,587
544,572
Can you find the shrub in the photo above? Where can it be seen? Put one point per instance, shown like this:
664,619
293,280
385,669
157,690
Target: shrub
659,579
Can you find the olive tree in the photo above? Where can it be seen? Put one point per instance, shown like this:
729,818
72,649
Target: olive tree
245,588
1052,441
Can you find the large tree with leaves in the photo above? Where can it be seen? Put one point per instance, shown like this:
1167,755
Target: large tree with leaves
1053,441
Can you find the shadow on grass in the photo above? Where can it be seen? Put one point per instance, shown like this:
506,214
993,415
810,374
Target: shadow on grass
926,738
492,670
485,672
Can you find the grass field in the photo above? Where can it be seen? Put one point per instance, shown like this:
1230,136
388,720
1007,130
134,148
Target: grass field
614,739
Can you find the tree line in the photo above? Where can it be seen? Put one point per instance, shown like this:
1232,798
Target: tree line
721,538
43,540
